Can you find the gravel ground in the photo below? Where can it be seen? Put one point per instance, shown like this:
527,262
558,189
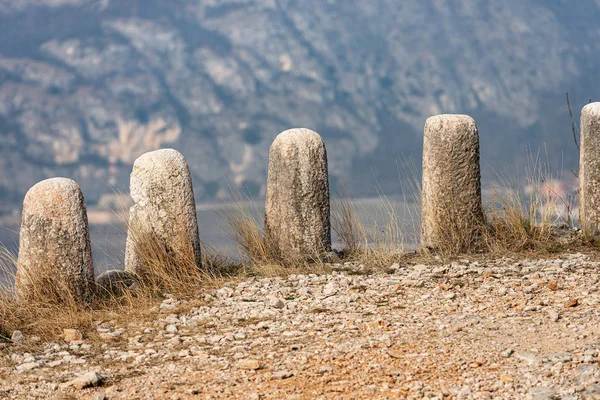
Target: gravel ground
495,329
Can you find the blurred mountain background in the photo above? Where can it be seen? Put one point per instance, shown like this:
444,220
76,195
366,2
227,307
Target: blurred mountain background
86,86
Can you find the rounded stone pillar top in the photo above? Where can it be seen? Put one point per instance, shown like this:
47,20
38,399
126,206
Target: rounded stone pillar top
451,125
53,196
592,109
171,155
308,133
153,168
290,138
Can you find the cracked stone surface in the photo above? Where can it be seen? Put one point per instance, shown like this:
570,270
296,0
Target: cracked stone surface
589,169
55,240
161,187
297,213
451,178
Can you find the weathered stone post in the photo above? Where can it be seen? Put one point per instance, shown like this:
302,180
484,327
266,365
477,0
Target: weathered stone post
589,170
451,197
55,254
164,209
297,215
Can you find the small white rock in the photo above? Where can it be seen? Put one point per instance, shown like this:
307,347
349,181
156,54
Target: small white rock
18,337
84,381
282,375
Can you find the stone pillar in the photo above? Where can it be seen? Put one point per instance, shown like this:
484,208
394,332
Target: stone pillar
589,170
55,254
451,197
164,209
297,216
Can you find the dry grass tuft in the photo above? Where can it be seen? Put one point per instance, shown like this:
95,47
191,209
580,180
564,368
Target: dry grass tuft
244,225
243,221
456,234
381,237
50,309
524,218
44,312
518,219
517,225
346,224
375,239
163,270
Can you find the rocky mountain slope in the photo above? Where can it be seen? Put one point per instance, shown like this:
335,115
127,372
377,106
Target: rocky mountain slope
84,81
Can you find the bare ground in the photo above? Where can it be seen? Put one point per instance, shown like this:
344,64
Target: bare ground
502,328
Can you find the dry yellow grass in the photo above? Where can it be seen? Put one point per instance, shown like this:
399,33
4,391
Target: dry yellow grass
456,234
523,218
515,222
519,216
45,314
379,239
374,240
243,224
161,269
49,307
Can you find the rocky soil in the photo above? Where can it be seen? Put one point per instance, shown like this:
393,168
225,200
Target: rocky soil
499,329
